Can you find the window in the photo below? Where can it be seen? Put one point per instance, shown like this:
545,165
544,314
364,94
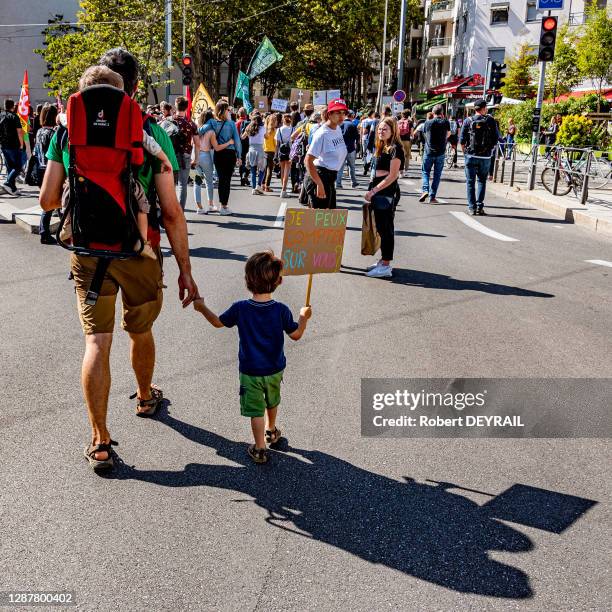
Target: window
415,48
497,55
533,14
499,15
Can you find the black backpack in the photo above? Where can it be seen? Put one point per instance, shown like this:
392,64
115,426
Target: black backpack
483,136
5,128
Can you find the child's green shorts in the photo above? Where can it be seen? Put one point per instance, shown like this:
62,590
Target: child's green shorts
258,393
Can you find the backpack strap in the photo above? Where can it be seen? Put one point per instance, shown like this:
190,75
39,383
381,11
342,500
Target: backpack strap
96,282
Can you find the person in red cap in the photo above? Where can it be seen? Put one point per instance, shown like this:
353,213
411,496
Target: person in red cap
325,157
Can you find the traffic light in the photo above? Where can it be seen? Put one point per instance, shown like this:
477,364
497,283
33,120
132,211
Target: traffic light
187,68
548,36
392,86
498,72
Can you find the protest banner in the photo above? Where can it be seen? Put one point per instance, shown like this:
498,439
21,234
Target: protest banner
301,96
320,97
279,104
313,242
201,101
333,94
261,103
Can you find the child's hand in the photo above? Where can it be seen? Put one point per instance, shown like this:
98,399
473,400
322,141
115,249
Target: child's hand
198,304
306,312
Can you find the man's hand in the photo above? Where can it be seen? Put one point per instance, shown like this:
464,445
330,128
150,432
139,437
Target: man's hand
321,192
188,290
306,312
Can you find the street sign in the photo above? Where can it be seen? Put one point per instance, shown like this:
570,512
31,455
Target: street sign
399,95
398,107
550,5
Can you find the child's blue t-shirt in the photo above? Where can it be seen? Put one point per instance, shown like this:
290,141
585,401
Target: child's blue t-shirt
260,328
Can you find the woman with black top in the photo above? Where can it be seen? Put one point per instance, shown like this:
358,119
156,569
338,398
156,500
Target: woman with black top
384,193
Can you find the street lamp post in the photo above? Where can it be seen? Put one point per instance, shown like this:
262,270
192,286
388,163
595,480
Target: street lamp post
379,101
168,46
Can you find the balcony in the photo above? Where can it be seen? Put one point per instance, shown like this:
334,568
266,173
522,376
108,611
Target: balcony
439,47
441,10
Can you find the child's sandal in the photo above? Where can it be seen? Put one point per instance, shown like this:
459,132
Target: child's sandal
272,437
258,455
151,405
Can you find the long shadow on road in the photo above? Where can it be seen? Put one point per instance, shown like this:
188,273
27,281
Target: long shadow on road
429,280
419,529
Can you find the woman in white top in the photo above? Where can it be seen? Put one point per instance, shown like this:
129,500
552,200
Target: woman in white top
256,158
283,148
205,167
325,157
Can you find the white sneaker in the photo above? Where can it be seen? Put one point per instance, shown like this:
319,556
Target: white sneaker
380,271
373,265
211,209
200,211
12,190
283,194
225,211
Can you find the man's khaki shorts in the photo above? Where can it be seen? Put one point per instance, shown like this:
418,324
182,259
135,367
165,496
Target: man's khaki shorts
140,280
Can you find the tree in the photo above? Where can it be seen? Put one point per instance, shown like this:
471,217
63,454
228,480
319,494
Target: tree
135,25
594,49
562,74
519,82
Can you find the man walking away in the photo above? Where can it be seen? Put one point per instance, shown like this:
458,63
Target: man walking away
478,139
351,136
11,143
405,130
435,132
185,141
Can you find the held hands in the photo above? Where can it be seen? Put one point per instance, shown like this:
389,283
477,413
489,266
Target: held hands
198,304
306,312
188,290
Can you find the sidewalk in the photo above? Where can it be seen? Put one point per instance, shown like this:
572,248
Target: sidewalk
23,209
596,215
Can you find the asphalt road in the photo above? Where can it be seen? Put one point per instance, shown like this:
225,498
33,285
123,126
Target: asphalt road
334,521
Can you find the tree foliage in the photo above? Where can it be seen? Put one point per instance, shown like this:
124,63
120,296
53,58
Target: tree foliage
519,77
563,74
325,43
594,49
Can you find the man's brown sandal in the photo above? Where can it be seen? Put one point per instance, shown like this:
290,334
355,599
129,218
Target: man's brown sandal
272,437
151,405
100,465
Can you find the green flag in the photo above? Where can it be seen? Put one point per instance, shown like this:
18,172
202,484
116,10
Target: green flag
242,90
264,57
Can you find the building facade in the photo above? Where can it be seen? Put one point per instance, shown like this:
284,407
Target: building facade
21,32
460,36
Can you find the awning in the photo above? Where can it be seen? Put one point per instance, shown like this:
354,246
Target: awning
606,94
450,87
429,104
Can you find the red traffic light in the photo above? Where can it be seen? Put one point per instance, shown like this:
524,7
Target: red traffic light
186,60
550,23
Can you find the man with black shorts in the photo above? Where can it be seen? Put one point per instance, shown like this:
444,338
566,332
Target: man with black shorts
139,278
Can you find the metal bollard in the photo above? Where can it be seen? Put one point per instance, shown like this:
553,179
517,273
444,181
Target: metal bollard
557,170
585,181
503,169
513,167
496,165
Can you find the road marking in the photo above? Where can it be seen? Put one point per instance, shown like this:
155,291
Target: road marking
600,262
479,227
407,182
280,217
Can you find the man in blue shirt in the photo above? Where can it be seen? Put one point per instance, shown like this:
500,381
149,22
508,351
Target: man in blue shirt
436,132
351,137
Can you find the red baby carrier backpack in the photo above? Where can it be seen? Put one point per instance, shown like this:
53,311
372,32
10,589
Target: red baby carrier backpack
104,135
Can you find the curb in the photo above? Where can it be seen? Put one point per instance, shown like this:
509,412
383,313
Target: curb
579,215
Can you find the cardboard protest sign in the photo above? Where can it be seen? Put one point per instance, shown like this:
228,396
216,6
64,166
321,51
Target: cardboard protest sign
261,103
313,241
304,96
278,104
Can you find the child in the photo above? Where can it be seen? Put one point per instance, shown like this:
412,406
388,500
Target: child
261,322
101,75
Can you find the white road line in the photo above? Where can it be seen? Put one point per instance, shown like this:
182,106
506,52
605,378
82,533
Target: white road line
280,217
600,262
479,227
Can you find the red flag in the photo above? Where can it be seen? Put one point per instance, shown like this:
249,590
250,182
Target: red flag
188,113
23,108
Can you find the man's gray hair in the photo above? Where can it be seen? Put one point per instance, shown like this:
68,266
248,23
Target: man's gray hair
438,110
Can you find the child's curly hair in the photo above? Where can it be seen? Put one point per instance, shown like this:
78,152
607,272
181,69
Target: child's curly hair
262,272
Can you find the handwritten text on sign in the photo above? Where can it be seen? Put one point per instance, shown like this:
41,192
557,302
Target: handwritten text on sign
313,240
